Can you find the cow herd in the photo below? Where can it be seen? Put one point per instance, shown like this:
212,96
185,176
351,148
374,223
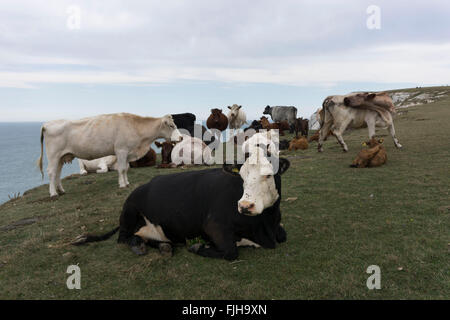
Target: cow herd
236,205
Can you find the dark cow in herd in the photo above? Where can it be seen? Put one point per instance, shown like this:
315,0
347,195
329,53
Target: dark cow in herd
184,120
148,160
302,126
228,207
217,120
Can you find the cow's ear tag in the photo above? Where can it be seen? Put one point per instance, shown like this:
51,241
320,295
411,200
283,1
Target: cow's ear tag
235,170
364,144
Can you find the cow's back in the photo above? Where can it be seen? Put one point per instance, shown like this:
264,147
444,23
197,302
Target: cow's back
181,202
283,113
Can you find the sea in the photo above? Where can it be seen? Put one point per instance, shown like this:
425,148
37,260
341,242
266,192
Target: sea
20,148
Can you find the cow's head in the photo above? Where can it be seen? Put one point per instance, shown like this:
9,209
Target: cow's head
258,175
166,150
358,99
216,115
267,110
234,110
168,129
373,142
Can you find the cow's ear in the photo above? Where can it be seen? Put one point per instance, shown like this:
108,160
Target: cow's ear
347,101
239,107
229,107
158,144
371,96
284,165
232,168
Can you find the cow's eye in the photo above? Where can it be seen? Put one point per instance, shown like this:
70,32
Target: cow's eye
267,176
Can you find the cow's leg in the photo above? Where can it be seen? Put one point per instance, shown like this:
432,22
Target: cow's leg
323,134
83,170
392,132
223,245
122,167
339,131
59,186
370,121
102,167
280,234
52,169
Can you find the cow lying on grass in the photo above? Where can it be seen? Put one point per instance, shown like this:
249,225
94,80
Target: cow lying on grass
101,165
298,143
149,160
236,204
374,156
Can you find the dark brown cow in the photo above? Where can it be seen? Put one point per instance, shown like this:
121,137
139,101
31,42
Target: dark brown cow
149,160
301,125
280,126
166,154
217,120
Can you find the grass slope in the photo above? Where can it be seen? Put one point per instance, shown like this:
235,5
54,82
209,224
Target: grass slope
344,219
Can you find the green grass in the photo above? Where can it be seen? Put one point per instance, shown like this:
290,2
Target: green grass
344,219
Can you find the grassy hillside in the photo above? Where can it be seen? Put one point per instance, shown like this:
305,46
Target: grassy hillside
342,221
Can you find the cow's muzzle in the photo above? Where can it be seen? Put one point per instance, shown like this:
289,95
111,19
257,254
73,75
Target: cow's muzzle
247,208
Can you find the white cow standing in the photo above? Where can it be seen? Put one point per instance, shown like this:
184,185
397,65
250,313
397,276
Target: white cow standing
236,118
101,165
125,135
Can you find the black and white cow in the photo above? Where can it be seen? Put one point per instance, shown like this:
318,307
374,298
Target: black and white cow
229,206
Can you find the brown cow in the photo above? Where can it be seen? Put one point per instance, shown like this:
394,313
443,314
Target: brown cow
149,160
301,125
166,154
217,120
374,156
298,143
280,126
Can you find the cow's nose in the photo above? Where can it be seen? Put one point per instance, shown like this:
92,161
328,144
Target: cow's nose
246,206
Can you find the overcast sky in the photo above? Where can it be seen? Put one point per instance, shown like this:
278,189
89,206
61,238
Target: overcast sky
158,57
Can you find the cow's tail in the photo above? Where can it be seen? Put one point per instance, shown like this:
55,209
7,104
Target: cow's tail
82,239
39,161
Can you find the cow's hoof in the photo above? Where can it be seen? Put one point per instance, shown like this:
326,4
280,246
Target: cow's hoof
165,249
83,173
399,146
140,250
195,247
53,196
